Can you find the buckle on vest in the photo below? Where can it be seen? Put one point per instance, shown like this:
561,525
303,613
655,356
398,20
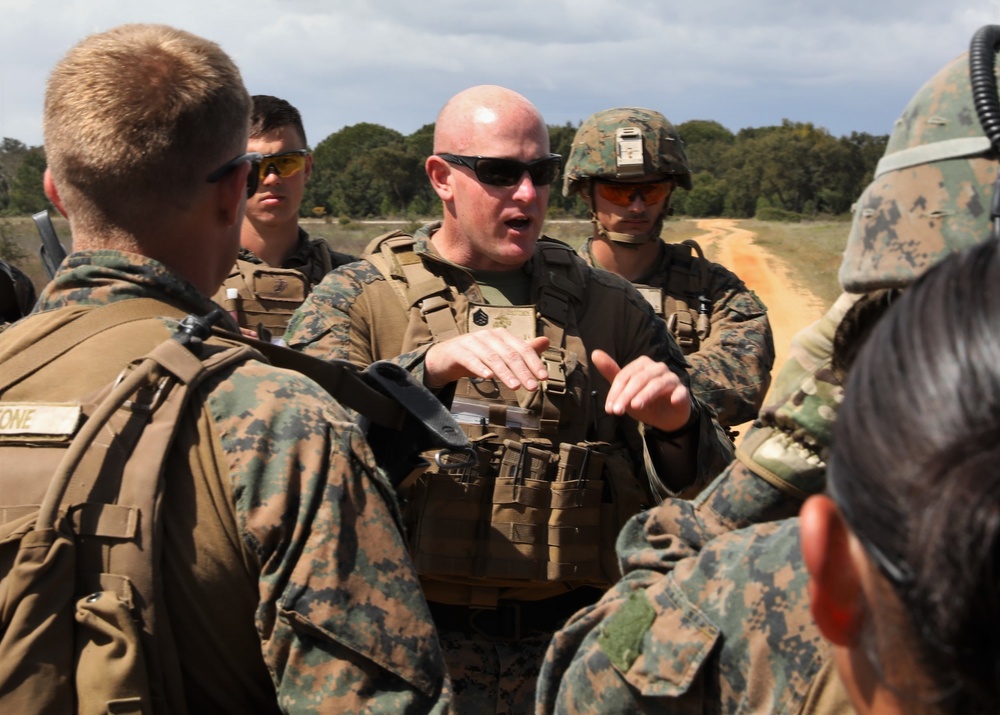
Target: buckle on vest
555,365
148,397
682,327
432,304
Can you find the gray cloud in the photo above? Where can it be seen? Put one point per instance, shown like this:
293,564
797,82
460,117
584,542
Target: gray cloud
846,66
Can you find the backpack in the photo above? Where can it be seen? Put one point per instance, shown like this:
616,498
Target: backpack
78,599
79,628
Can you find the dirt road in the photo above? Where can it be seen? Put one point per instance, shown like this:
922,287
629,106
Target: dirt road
790,307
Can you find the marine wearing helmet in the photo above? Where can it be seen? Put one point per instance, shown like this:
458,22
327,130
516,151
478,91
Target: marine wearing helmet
738,623
625,164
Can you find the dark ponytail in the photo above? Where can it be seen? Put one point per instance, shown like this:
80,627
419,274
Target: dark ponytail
915,467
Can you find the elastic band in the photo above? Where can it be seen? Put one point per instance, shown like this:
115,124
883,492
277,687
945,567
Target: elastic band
927,153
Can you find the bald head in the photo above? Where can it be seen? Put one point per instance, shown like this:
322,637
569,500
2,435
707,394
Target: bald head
488,224
473,117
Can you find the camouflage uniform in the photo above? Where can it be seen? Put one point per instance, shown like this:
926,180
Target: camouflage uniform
731,369
268,296
929,198
721,326
355,314
299,594
678,633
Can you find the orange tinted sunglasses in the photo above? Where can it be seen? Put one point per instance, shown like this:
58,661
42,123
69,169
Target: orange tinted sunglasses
285,164
621,194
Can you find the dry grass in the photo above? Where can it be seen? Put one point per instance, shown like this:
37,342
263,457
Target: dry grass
812,249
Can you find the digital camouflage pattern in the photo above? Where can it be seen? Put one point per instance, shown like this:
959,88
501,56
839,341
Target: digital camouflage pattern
355,314
703,581
724,629
331,607
932,189
493,676
731,370
594,151
930,197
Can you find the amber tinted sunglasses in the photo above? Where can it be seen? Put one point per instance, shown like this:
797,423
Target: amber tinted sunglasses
285,164
621,194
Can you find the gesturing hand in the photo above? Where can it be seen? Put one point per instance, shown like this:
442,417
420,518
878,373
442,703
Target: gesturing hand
646,390
487,353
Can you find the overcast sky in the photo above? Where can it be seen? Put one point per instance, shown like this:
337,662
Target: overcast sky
846,65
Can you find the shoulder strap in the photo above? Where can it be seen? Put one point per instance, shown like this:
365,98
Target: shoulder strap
698,283
86,326
414,285
143,409
563,285
321,247
387,265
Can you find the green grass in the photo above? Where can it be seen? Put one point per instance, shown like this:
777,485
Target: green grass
811,249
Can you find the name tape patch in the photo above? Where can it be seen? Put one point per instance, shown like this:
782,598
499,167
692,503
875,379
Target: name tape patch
38,418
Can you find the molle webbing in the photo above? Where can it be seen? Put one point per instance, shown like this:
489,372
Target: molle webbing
527,514
563,283
108,483
689,326
267,296
394,256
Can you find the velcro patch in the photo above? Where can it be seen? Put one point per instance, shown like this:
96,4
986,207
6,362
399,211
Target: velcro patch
621,636
653,296
518,320
38,418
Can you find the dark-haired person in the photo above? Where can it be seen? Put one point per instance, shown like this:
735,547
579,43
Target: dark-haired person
715,620
278,263
573,391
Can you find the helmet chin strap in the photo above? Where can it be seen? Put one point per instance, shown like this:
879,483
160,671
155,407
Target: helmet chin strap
653,234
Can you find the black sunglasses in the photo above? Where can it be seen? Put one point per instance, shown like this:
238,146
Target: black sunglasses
507,172
254,157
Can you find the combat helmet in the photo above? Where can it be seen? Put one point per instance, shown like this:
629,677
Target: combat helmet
621,143
934,185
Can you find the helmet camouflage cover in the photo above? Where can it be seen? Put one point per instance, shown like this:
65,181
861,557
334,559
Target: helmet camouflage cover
932,189
607,145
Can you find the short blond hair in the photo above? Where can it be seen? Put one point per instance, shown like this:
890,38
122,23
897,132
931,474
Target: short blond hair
135,120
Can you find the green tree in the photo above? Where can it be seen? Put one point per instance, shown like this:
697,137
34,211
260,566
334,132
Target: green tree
331,159
12,153
561,142
421,142
27,193
707,197
705,143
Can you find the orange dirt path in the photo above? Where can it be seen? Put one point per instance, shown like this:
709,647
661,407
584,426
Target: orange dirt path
790,307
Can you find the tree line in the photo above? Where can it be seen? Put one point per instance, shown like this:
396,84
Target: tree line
787,172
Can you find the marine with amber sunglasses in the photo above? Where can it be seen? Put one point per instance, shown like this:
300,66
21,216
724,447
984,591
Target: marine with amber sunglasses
625,164
278,263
